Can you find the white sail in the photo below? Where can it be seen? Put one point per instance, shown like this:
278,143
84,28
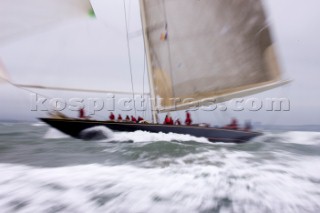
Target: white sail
19,18
200,49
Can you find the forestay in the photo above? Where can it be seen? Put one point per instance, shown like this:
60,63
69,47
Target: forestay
202,50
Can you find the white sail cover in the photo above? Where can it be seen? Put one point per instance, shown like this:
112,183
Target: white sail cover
19,18
200,49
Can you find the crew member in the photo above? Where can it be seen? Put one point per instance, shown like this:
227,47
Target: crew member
168,120
133,119
233,125
82,113
188,120
177,122
140,119
127,118
119,118
111,116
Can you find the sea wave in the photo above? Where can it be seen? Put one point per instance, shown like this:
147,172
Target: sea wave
54,134
299,137
143,136
276,172
214,181
106,135
38,124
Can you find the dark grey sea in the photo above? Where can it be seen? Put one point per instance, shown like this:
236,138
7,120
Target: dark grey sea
42,170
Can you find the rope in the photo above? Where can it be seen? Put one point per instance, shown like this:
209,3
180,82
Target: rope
129,15
143,79
22,88
129,56
25,89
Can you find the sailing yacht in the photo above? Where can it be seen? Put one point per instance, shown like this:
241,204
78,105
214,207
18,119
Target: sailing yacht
198,53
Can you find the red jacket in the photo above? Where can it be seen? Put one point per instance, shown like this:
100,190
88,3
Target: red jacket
133,119
168,121
111,117
188,120
81,113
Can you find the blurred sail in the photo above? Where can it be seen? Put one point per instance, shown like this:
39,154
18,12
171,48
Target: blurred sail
3,75
19,18
208,49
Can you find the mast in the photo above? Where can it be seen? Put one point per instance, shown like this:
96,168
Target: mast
149,64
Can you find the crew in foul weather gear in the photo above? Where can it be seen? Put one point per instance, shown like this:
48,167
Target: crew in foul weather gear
188,120
111,116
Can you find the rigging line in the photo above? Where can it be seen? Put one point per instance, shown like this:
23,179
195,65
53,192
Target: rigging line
22,88
197,116
27,90
143,79
73,89
129,15
129,56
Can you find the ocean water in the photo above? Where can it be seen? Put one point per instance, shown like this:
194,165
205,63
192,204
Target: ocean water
42,170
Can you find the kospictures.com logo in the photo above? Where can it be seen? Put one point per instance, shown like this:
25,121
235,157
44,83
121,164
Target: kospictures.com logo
139,103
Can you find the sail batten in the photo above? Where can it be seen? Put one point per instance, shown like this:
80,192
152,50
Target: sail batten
208,48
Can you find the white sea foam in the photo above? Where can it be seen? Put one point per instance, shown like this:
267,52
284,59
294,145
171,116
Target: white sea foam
220,180
54,134
38,124
306,138
136,137
143,136
294,137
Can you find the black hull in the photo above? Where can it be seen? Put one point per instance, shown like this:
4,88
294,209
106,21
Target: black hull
75,127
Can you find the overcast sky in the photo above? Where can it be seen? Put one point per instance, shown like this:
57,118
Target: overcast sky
92,54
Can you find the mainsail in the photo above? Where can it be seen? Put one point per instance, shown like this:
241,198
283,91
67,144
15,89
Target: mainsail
27,16
201,50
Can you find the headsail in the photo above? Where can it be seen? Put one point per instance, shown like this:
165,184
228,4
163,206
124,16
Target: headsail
201,49
25,17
